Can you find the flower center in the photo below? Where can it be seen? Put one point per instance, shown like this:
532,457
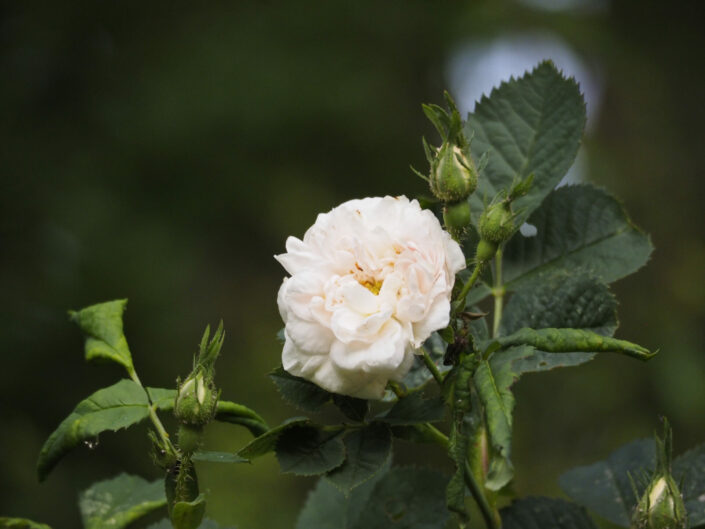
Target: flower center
373,285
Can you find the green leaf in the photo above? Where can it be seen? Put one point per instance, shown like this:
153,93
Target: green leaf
366,451
353,408
545,513
113,408
605,487
328,508
414,409
562,299
119,501
218,457
578,227
20,523
308,450
689,473
102,325
529,125
569,340
233,413
406,498
267,442
299,392
498,402
188,514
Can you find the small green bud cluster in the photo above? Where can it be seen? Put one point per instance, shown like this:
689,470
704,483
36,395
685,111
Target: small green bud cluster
497,223
453,175
661,506
197,396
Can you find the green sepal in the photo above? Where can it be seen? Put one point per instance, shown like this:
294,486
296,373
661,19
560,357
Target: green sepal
102,326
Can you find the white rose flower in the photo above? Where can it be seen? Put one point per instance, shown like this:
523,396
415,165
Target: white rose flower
370,281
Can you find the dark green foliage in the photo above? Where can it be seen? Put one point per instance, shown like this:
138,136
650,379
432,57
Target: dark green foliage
578,228
529,125
352,408
367,451
545,513
414,409
406,498
605,486
119,501
298,392
267,442
562,299
328,508
689,473
308,450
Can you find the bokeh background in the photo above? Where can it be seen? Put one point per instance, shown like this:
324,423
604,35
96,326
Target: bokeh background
163,151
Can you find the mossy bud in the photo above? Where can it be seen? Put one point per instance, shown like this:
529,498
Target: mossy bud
453,175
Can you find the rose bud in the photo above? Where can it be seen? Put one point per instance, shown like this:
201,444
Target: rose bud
453,174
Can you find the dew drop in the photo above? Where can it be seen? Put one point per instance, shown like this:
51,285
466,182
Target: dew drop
91,443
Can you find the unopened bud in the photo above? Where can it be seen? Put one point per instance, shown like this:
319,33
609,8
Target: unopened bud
497,223
661,506
196,400
453,174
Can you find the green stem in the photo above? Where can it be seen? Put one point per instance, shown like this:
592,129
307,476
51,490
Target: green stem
163,434
460,301
431,366
397,388
490,521
498,293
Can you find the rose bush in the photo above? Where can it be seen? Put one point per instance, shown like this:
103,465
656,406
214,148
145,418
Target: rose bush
370,281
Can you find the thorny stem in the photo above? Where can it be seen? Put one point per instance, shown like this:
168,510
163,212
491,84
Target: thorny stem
498,292
480,499
153,413
431,366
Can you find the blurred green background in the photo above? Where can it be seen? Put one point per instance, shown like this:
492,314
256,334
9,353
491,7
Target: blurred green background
164,151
